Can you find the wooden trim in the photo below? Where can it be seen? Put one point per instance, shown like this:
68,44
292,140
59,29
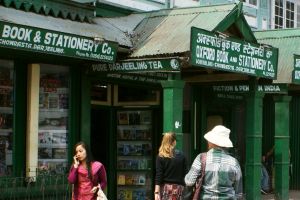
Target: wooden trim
32,119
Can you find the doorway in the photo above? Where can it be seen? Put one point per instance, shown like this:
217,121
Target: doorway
100,129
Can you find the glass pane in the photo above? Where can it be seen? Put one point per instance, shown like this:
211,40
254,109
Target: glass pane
6,117
253,2
128,94
53,119
280,22
99,91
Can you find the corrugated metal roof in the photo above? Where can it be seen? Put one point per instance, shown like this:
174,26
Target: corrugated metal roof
168,31
288,43
106,31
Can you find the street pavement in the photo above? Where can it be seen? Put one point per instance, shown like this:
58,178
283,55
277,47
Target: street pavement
293,195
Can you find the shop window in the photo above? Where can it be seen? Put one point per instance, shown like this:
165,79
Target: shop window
100,93
53,119
6,117
251,2
124,96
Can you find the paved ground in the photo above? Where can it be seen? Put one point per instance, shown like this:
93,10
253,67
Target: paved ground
294,195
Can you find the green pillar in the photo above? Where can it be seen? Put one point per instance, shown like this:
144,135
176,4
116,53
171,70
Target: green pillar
172,108
85,110
253,144
281,152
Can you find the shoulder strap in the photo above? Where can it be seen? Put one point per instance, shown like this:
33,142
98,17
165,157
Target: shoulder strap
203,163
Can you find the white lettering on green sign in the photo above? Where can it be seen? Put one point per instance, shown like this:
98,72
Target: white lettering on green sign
297,75
297,63
55,42
210,50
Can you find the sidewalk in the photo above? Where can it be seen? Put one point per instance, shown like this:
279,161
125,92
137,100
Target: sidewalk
294,195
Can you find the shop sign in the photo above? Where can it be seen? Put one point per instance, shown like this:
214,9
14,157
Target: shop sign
220,52
229,96
136,77
153,65
296,71
54,42
268,88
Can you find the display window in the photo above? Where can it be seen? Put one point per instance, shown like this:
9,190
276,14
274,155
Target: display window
6,117
53,119
134,154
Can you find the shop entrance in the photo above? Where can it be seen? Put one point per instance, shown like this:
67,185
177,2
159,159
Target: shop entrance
100,121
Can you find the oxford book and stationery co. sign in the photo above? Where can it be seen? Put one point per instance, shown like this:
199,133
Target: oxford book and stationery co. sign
296,71
220,52
54,42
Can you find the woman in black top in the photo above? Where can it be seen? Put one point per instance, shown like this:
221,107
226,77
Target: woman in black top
170,170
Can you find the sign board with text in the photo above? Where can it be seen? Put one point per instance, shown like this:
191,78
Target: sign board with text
296,71
53,42
244,88
150,65
215,51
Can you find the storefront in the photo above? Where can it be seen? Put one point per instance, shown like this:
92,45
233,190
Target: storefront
288,62
174,72
41,71
223,52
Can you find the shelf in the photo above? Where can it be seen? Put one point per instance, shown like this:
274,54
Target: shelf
61,130
46,110
134,170
64,146
139,141
6,110
5,131
52,160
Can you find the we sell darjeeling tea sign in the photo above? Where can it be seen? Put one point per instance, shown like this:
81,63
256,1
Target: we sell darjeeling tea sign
210,50
53,42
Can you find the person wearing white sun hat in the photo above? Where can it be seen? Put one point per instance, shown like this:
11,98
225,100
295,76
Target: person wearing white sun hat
222,173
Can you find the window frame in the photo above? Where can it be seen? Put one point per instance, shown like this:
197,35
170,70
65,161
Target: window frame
284,14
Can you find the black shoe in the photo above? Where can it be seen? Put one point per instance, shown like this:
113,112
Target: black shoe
263,191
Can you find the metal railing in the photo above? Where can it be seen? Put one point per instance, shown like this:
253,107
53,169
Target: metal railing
41,187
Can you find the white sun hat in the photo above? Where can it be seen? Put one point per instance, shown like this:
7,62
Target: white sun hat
219,135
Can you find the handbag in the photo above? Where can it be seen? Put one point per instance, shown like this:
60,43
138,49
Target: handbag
101,195
193,192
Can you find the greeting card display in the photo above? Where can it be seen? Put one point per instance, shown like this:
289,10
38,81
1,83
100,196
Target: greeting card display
134,155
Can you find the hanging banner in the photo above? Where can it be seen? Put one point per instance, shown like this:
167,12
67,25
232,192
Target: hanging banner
296,71
220,52
149,65
53,42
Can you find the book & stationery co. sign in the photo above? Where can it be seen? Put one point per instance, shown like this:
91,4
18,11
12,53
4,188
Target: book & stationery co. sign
220,52
53,42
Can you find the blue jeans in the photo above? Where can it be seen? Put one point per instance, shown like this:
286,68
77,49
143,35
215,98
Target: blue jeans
264,181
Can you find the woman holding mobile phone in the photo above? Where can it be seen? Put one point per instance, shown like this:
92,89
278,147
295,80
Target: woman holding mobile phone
86,175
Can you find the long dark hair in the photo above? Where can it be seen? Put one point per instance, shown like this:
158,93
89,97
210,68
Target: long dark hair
89,157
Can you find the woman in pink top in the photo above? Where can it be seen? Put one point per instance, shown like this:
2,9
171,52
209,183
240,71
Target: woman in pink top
86,175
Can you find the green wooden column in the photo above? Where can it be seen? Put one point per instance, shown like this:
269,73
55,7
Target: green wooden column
85,123
74,109
253,144
282,139
172,108
20,115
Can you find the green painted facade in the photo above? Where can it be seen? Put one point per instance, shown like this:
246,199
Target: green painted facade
247,106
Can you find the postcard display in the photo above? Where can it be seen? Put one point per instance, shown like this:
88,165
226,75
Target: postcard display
134,155
6,118
53,113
